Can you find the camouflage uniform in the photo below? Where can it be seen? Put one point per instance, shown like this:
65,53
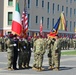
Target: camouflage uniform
23,54
39,52
10,53
74,43
49,53
34,63
56,53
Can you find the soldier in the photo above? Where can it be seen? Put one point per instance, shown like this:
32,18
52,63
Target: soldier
74,43
10,54
23,57
30,47
16,41
50,47
39,52
56,53
34,64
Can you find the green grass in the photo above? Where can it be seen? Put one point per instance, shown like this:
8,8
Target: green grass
69,52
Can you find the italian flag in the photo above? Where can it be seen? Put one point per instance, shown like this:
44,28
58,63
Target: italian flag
16,22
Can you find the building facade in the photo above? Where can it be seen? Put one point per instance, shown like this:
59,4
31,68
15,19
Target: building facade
47,10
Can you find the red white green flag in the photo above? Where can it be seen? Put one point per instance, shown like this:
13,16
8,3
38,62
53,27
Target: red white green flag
16,22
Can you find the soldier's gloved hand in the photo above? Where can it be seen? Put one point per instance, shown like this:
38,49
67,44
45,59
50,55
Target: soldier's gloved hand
24,47
31,49
14,44
18,49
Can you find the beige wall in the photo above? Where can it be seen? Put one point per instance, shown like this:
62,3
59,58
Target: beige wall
1,13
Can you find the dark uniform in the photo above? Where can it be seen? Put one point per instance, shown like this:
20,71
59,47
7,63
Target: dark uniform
30,46
15,52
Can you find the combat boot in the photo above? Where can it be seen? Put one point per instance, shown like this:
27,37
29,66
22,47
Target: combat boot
40,69
34,68
10,69
56,69
50,67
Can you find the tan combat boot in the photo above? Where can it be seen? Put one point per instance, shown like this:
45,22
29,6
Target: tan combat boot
56,69
34,68
50,67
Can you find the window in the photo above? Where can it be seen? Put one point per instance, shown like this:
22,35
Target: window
37,3
62,8
70,12
48,7
10,2
42,20
52,22
70,25
28,20
36,19
42,3
28,3
48,23
10,18
66,11
70,1
74,27
66,24
75,12
58,7
53,7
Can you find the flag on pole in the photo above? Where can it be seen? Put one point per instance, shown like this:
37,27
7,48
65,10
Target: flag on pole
16,22
24,20
54,31
62,25
41,27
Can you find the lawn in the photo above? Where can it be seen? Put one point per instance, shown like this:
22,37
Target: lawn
69,52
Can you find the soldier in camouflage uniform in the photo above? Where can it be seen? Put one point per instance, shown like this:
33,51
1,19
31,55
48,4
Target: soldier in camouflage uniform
49,52
56,53
74,43
10,53
39,52
34,63
50,56
23,54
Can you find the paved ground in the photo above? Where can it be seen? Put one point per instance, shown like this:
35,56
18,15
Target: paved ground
67,67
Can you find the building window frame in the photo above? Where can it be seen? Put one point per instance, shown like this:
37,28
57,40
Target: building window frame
58,8
37,3
48,23
53,8
29,3
48,7
42,3
10,2
10,15
36,20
